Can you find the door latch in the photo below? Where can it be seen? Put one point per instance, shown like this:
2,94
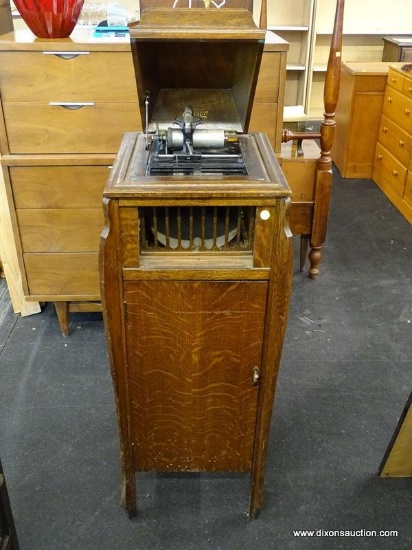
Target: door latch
256,375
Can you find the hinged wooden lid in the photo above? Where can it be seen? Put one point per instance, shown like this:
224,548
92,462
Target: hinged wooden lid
208,59
196,24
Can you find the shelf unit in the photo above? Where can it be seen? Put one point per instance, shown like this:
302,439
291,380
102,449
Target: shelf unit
294,26
365,25
307,26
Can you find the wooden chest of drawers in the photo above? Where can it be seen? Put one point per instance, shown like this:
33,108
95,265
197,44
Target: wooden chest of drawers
393,153
358,112
65,106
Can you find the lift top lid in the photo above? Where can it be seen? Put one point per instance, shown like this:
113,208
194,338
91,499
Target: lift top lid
208,59
196,24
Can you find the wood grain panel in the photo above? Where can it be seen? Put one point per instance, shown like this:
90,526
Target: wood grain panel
263,238
267,87
191,350
365,122
60,230
41,128
58,186
301,218
300,171
263,119
36,76
63,275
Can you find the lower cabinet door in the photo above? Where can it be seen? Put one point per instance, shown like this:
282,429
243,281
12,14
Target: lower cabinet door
193,358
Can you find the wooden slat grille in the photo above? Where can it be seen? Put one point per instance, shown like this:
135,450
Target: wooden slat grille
196,228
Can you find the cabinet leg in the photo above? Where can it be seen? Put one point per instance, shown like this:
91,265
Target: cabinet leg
62,310
254,509
129,492
315,256
304,245
256,494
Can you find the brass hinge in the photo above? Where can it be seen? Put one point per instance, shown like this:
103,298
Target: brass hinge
256,375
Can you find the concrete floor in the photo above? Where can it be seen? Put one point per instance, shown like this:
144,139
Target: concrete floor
345,377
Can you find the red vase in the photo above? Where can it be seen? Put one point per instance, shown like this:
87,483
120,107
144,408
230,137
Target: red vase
50,18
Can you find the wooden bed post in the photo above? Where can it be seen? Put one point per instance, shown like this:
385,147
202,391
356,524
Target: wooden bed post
324,177
309,219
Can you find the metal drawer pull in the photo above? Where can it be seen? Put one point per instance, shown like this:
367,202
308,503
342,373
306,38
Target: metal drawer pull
380,157
407,112
401,143
410,89
385,130
66,55
71,106
395,173
389,99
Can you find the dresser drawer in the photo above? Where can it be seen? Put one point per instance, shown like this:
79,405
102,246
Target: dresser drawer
86,76
58,186
60,230
88,128
391,169
63,275
398,108
407,86
395,80
395,140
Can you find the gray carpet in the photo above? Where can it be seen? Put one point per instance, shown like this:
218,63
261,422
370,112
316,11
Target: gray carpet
345,377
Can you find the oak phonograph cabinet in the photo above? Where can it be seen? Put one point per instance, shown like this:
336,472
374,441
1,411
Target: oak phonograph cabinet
196,255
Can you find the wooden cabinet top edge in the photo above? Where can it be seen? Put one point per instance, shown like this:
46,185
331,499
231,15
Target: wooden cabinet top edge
369,68
25,40
80,39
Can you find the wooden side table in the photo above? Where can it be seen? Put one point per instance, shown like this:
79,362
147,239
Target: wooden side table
358,116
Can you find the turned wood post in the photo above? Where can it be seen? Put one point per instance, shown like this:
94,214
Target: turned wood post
323,181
